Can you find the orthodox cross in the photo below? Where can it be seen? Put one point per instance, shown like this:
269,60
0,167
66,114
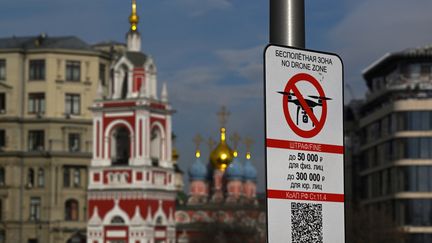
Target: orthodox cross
211,143
223,116
235,138
248,142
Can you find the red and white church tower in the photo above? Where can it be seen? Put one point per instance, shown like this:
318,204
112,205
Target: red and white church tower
131,193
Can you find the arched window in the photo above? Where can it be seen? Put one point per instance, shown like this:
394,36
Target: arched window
159,220
117,220
2,176
71,210
30,177
120,146
124,88
156,145
41,177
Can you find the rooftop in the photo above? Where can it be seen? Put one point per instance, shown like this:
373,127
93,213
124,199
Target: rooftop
44,41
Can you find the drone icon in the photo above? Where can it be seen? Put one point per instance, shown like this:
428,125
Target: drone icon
310,103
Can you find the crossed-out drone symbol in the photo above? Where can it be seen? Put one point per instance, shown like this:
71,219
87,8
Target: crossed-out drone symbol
310,103
305,105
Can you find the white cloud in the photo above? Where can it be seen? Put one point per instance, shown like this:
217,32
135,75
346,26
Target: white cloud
208,84
372,28
246,63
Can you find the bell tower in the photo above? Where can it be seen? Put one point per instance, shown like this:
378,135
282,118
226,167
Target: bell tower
131,193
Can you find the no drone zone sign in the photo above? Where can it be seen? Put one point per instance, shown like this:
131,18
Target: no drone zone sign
304,146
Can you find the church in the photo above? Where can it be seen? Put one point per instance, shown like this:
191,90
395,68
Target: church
131,191
222,203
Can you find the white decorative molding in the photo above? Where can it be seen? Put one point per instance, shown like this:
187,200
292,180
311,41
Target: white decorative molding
119,114
116,211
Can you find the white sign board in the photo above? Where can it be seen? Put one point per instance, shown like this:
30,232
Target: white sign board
304,146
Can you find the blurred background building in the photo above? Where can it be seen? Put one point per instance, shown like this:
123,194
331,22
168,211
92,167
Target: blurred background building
390,146
222,204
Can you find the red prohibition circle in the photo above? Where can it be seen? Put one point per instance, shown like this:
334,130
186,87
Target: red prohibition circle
291,86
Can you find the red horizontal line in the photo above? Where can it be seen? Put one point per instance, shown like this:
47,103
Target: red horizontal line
295,145
305,196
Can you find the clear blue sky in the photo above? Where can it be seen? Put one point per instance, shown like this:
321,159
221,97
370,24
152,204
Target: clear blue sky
210,51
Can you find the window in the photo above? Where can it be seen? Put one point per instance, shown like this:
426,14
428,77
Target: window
117,220
66,177
2,236
36,140
37,70
1,212
2,139
72,104
102,73
74,142
71,210
2,70
77,177
424,70
120,146
30,178
2,103
73,71
2,176
35,208
36,103
41,177
156,145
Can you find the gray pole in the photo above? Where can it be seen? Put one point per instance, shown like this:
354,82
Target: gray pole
287,23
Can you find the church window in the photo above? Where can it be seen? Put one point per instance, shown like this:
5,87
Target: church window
159,220
120,146
156,145
71,210
117,220
124,88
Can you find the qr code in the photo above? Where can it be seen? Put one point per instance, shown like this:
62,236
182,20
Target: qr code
306,223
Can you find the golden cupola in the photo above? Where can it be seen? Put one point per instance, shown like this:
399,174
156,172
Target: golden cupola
133,18
222,155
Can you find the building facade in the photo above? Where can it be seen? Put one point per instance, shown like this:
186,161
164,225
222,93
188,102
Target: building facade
395,131
46,85
132,187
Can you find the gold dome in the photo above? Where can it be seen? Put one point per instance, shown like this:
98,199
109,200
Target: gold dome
222,155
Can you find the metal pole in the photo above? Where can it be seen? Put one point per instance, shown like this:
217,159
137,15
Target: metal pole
287,23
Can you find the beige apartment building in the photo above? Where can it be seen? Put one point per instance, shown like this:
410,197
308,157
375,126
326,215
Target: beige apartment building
46,86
